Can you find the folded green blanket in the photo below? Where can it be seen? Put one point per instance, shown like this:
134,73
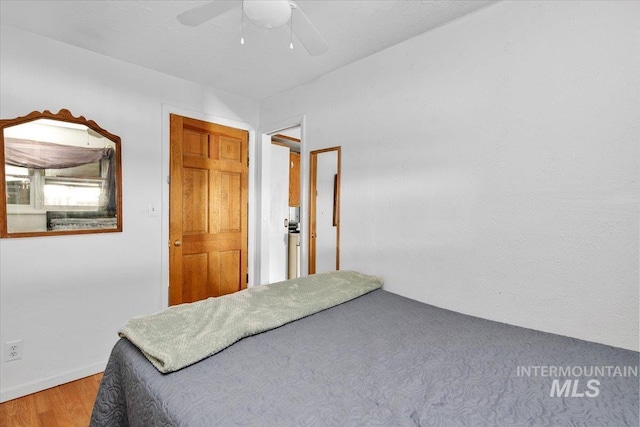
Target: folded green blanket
185,334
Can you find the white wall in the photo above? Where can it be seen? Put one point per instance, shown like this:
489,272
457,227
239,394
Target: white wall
491,166
278,212
66,296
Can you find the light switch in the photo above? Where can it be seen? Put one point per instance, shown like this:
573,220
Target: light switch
153,209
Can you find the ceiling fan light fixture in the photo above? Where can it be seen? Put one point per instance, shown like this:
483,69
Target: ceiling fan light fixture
267,13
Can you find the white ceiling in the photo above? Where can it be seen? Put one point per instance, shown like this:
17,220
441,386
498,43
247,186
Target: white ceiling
148,34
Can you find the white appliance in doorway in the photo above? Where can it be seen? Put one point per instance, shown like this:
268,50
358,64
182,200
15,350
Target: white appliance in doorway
294,255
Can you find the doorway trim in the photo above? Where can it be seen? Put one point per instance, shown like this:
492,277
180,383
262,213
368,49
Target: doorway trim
167,110
263,201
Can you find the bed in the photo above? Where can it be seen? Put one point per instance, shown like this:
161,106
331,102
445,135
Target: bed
80,220
379,360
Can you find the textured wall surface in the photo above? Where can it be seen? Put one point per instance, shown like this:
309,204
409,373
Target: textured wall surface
491,166
66,296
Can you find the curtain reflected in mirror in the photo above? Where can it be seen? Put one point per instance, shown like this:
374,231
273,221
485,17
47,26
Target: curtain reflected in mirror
61,176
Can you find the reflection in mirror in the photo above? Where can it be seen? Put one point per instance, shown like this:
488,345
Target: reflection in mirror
61,176
324,210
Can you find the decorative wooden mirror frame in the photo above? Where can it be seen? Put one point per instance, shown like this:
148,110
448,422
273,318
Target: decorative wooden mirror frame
61,175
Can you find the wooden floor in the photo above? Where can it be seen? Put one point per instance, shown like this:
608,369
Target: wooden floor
65,405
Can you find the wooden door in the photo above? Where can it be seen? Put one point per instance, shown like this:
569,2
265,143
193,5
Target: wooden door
294,179
208,207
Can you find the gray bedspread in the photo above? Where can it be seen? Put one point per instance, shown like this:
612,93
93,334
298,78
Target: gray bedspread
380,360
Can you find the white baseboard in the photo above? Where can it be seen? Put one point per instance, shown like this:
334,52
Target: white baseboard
56,380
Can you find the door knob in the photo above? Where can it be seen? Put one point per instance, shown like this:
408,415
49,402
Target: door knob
177,243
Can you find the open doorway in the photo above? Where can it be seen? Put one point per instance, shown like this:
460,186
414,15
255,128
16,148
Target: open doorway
284,195
281,202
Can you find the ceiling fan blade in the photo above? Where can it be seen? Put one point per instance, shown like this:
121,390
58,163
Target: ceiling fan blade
307,33
198,15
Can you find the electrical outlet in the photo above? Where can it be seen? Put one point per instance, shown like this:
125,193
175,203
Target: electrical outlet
12,350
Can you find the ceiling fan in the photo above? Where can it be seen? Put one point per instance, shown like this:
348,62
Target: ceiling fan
266,14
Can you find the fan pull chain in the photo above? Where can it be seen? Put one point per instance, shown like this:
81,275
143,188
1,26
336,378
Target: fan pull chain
242,27
291,28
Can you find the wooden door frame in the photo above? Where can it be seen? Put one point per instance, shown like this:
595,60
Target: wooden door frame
313,170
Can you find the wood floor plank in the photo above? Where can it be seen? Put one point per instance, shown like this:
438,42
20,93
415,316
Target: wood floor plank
4,414
47,418
61,414
88,391
23,413
3,417
43,404
67,405
72,396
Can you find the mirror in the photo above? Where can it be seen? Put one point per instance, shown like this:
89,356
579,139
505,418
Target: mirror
61,176
324,210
